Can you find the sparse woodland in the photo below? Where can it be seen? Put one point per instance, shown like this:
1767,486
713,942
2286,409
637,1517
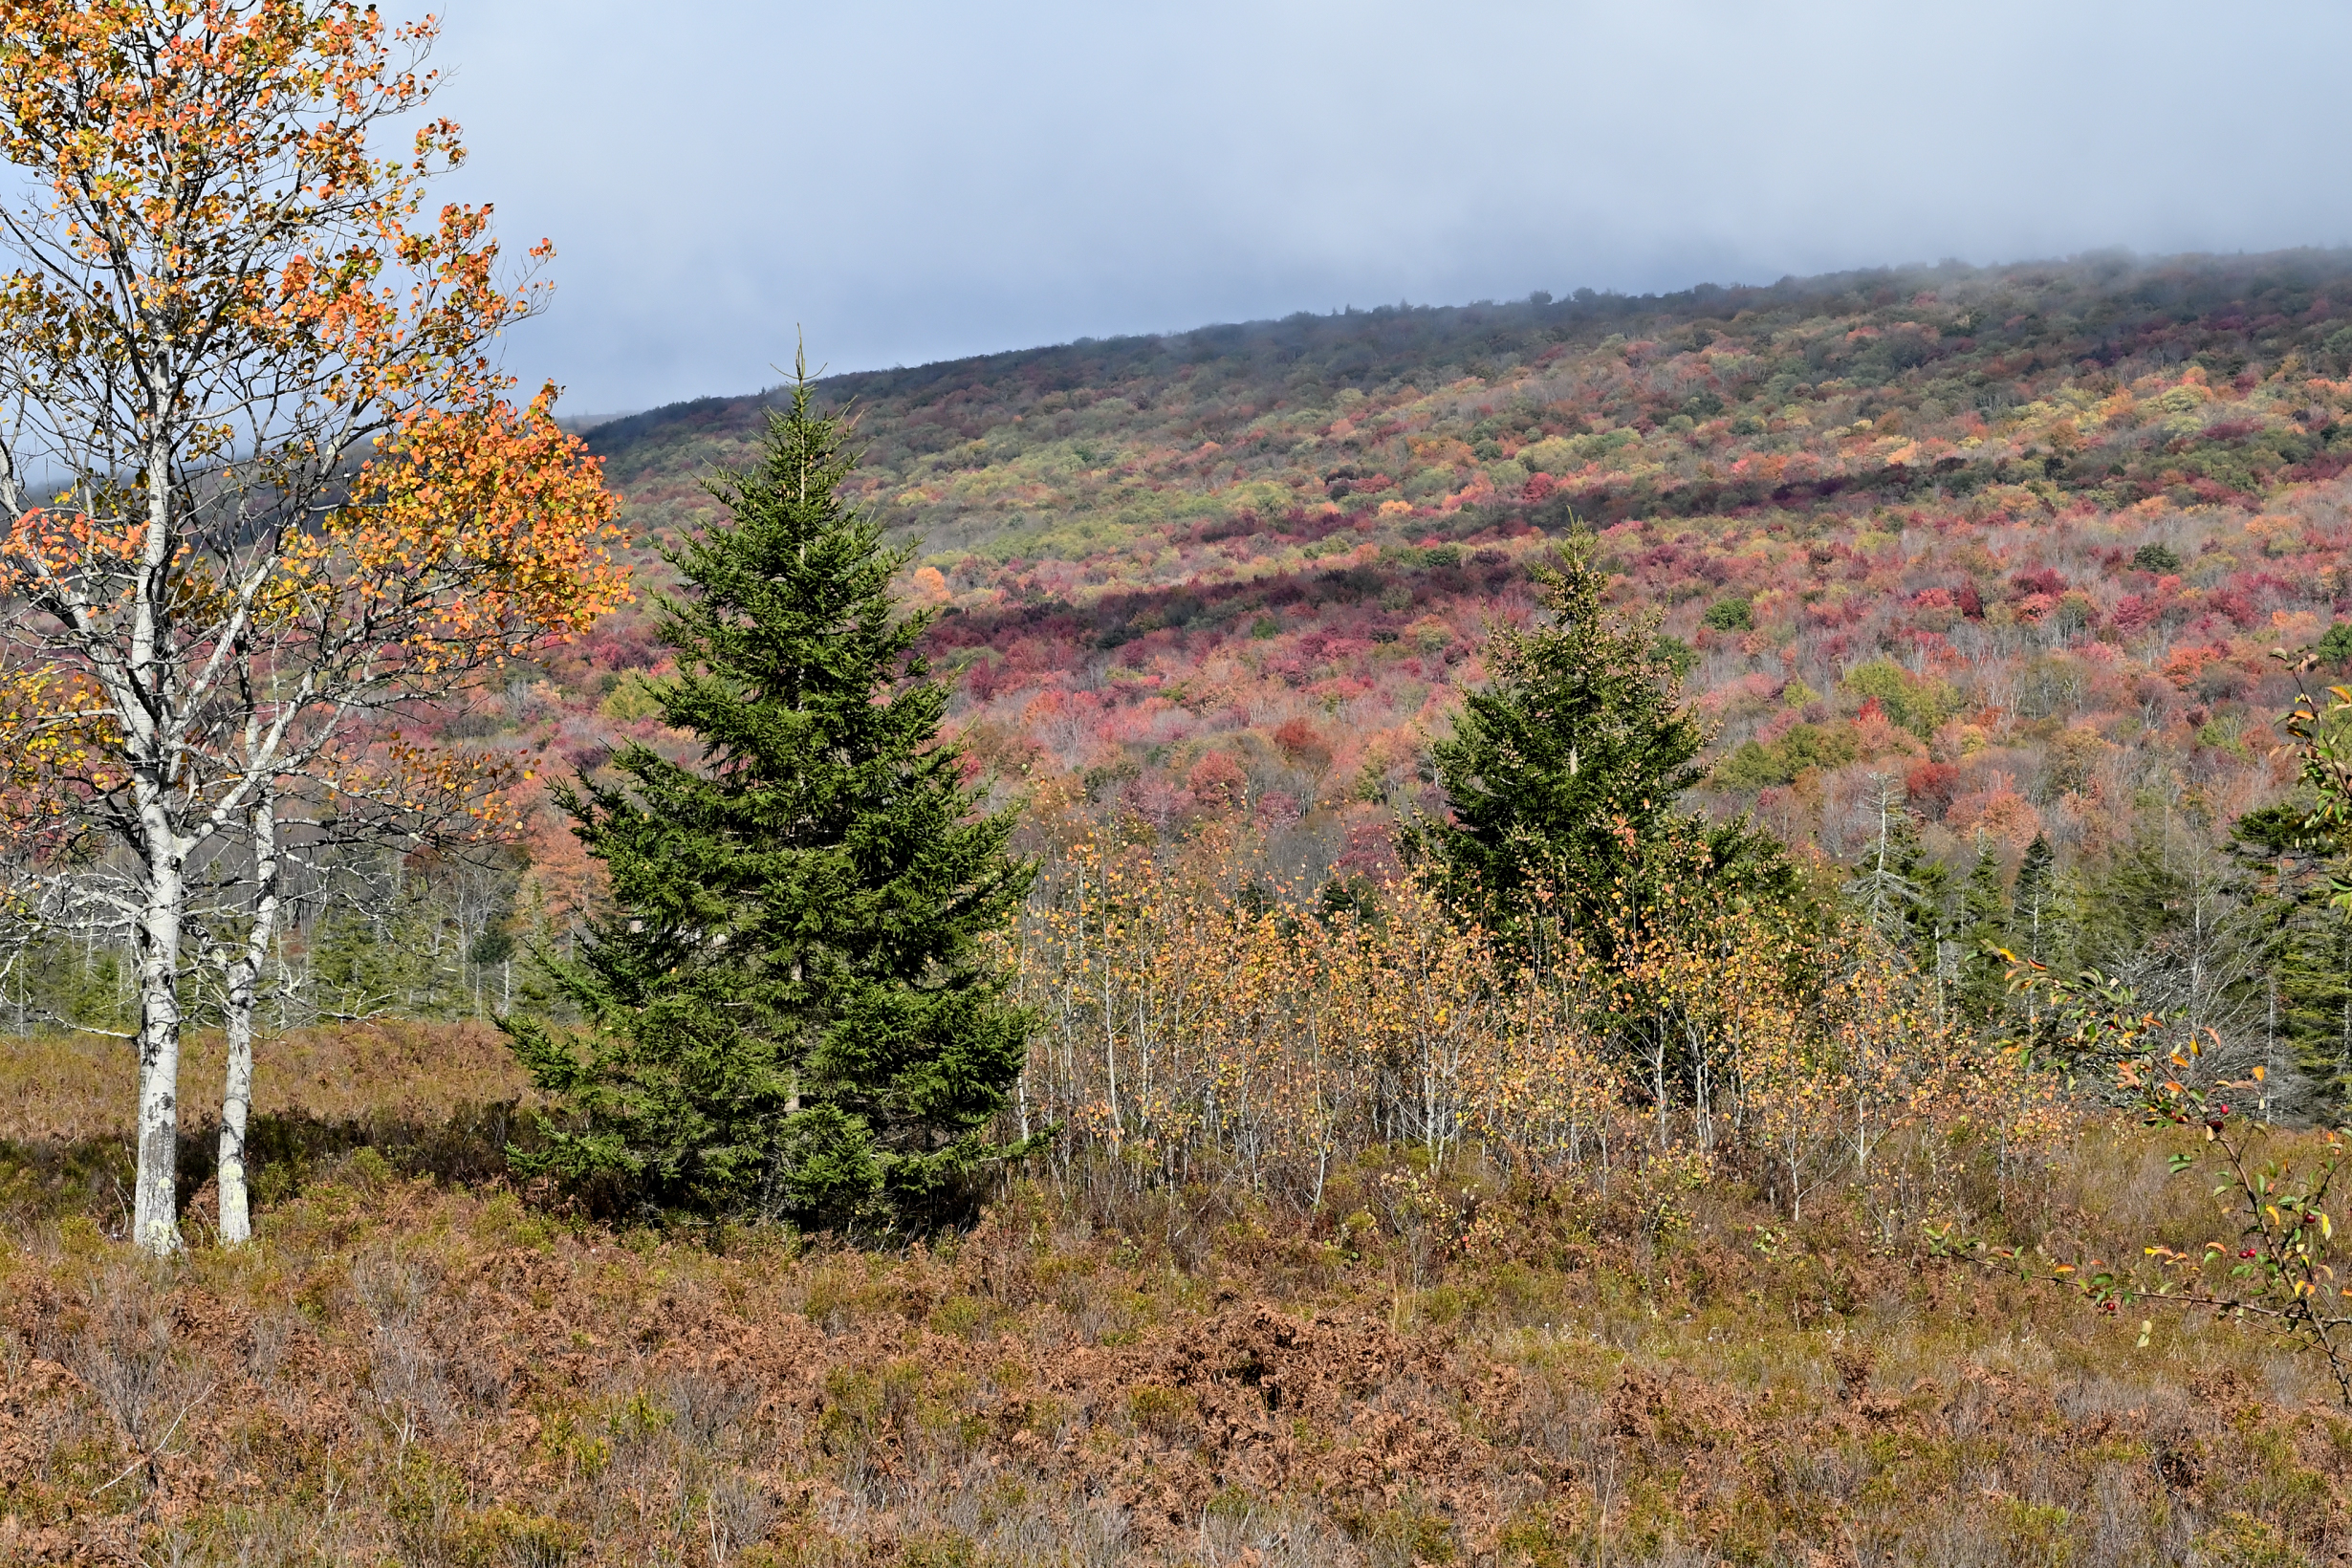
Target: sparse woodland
1695,929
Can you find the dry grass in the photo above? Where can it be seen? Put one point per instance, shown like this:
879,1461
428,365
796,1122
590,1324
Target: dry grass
442,1099
420,1373
74,1088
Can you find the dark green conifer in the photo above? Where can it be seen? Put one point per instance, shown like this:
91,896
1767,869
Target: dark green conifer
2035,902
2335,649
1564,777
1984,926
2287,885
787,1014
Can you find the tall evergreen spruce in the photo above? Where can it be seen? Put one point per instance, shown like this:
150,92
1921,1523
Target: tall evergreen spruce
1985,928
2287,882
1564,778
786,1015
2035,902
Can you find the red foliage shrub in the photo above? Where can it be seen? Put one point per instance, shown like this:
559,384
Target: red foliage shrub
1216,782
2236,604
1301,744
1931,786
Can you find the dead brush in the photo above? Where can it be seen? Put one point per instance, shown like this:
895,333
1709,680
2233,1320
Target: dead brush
1272,1533
122,1350
405,1370
420,1376
641,1486
1853,1362
68,1088
268,1332
705,1408
736,1512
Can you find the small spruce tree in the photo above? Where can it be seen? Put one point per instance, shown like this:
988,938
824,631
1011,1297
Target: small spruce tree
1985,921
786,1014
2035,903
1564,778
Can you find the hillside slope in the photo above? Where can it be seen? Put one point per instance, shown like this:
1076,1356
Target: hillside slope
1666,407
2019,539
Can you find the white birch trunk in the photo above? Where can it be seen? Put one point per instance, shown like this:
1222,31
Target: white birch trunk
244,991
146,702
155,1211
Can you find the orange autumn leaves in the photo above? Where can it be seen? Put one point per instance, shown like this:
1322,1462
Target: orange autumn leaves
470,534
1180,1021
210,179
473,534
358,517
52,734
1194,1022
470,539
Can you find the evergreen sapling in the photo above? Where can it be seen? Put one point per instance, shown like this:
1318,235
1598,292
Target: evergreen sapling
1564,780
786,1015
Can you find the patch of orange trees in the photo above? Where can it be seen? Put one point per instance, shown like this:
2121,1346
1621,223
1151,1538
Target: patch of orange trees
1196,1023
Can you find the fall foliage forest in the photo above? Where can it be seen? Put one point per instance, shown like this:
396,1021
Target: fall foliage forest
1957,559
1762,1186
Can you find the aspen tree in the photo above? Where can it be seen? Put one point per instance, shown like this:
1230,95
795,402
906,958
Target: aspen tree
263,485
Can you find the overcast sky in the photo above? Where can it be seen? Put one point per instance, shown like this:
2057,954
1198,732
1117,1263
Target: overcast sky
913,181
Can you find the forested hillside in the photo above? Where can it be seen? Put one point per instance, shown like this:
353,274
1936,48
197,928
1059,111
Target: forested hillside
1975,574
1995,556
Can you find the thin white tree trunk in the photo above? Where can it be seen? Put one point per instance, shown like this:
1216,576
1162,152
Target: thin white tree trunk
148,718
244,991
155,1218
1658,1082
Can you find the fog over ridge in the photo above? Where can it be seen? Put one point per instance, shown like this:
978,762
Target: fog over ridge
911,182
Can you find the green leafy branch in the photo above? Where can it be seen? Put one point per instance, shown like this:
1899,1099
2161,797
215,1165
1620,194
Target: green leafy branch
2322,728
2277,1270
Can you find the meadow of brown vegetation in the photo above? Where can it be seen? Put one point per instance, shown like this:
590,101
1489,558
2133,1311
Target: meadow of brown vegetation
411,1367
